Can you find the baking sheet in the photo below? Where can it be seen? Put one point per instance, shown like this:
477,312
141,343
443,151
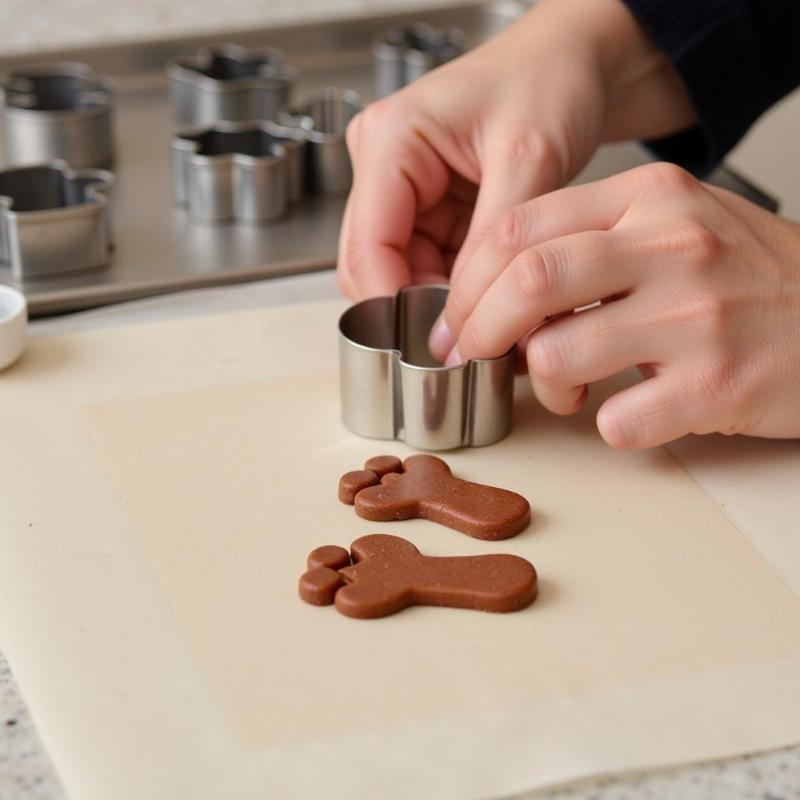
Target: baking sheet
159,247
150,562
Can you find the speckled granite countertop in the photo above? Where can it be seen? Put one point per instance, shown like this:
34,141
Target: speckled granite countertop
25,770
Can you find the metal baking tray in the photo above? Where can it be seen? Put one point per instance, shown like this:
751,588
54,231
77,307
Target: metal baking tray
157,247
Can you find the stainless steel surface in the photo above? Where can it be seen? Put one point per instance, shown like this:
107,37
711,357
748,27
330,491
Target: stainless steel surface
402,55
228,82
160,248
323,117
57,111
53,219
239,171
392,388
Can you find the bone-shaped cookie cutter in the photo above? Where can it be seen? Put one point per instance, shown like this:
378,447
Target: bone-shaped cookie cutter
402,55
384,574
323,119
392,388
57,111
230,83
54,219
244,171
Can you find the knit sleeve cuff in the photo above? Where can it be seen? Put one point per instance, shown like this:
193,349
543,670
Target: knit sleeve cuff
715,49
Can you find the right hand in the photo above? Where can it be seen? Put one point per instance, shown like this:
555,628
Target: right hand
437,164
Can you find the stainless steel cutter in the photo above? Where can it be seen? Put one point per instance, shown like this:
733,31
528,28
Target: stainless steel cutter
402,55
229,83
323,118
54,219
249,172
57,111
393,388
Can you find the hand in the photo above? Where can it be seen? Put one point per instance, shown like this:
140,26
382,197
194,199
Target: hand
700,289
518,117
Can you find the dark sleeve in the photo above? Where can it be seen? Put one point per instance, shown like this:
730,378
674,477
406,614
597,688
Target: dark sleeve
736,57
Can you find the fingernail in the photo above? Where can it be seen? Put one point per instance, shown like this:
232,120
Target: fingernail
453,358
441,341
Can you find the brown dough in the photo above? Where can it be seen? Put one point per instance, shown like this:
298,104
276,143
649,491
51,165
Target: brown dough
423,486
382,465
389,574
351,483
375,468
320,583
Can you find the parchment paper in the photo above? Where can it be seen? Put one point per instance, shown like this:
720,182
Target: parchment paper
149,589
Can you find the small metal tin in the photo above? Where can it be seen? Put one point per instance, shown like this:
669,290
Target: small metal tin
402,55
323,119
54,219
392,387
229,83
249,172
57,111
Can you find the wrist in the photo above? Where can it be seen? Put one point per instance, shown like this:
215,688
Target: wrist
604,32
645,97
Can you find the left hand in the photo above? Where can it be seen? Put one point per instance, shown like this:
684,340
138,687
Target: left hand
700,289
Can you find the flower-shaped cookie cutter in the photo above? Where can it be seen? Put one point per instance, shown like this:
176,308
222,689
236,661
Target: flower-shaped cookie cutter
323,117
392,387
54,219
248,172
402,55
57,111
229,83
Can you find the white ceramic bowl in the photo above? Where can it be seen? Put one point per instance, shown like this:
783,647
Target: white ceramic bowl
13,325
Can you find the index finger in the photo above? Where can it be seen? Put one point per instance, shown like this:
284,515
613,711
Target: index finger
397,174
591,207
549,279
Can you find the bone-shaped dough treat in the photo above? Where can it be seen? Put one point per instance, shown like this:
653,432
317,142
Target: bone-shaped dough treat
388,574
423,486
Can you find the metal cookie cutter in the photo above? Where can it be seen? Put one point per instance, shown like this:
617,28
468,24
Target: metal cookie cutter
54,219
392,388
250,172
323,119
402,55
229,83
57,111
